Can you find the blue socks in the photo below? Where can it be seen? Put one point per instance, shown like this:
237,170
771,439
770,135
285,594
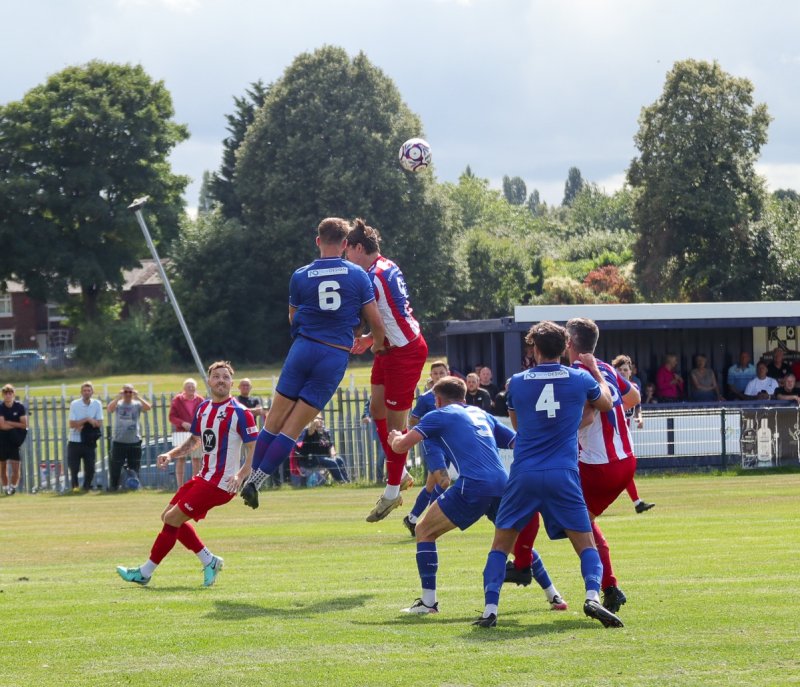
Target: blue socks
427,563
493,576
263,442
592,570
278,450
539,571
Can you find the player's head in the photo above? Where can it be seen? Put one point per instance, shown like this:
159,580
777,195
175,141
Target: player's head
439,370
220,379
548,339
583,334
362,240
332,231
623,365
449,390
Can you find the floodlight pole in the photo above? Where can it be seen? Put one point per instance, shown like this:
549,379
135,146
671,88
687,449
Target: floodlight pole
136,208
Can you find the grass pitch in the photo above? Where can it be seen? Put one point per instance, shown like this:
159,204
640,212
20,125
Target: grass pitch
311,593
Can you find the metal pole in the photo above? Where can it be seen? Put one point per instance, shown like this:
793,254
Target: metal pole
136,207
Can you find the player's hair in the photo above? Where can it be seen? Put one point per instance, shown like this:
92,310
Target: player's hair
583,334
365,235
439,363
451,389
550,338
89,384
8,387
333,230
218,364
621,360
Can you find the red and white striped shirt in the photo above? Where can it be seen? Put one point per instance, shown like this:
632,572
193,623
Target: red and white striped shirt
608,438
391,295
222,428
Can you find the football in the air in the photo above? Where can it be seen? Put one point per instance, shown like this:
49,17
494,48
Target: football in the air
415,155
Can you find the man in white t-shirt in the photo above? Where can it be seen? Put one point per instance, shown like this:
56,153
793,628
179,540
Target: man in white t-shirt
761,387
85,421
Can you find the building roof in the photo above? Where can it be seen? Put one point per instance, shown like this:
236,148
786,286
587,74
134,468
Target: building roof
644,316
145,275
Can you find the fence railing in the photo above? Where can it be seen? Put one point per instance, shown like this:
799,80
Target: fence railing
44,453
678,437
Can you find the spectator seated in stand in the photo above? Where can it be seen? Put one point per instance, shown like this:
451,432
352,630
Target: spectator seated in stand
486,377
778,368
739,377
787,391
761,387
649,395
703,381
669,383
315,450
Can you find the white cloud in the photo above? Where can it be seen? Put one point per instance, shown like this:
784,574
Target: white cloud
780,175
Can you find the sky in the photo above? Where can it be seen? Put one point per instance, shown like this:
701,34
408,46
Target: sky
524,88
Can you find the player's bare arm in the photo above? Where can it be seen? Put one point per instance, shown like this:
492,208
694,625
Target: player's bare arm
235,482
402,443
377,331
292,311
632,398
178,452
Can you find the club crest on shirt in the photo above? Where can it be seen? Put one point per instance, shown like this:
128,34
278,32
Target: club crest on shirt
209,440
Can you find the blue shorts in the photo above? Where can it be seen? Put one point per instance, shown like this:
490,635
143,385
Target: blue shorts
556,494
312,372
465,509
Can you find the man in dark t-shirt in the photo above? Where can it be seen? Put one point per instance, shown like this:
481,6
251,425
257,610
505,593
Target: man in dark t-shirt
778,368
477,396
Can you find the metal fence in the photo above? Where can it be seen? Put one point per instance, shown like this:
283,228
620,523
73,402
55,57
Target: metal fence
44,453
674,437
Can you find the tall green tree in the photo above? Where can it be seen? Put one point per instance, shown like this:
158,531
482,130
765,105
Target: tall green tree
514,190
572,186
325,144
74,152
222,188
698,195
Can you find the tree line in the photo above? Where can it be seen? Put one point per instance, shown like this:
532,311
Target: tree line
694,222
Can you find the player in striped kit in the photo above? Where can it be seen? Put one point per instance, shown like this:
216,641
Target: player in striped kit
397,370
221,426
606,459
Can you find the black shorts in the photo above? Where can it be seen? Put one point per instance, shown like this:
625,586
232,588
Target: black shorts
8,451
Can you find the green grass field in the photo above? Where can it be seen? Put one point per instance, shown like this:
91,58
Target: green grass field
311,595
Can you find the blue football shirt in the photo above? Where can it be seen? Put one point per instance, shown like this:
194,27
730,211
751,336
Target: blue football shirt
549,401
469,438
328,295
426,402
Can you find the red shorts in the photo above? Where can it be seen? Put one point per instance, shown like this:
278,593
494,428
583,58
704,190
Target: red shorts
602,483
197,496
399,371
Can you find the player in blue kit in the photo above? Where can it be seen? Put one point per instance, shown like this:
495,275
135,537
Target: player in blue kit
426,402
546,405
469,438
327,300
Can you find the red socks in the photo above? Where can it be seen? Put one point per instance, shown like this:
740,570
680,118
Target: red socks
523,547
605,557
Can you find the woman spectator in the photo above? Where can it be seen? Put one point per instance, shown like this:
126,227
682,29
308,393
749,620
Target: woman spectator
703,381
181,414
669,384
315,449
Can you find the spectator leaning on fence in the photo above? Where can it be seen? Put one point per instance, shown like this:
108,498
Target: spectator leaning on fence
85,423
761,387
13,430
182,410
126,446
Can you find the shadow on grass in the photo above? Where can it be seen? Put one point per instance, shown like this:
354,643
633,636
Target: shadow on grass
509,626
231,610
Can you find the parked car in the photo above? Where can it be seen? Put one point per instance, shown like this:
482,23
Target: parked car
22,360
